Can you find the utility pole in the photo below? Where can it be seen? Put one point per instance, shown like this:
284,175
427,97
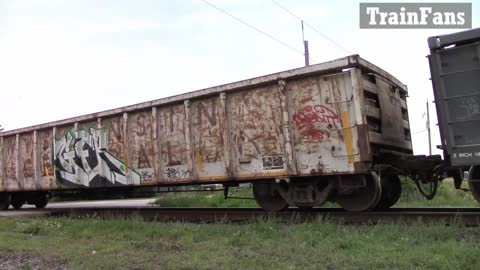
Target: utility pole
305,47
428,131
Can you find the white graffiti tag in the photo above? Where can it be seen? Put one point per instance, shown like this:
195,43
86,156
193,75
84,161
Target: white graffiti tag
83,160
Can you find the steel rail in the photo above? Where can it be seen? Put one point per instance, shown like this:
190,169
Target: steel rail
447,216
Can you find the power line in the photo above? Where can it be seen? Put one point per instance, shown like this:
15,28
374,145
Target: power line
417,132
253,27
288,11
311,27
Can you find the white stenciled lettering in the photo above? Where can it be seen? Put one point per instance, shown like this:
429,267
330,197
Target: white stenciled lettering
373,11
415,15
402,16
465,155
424,11
393,18
449,18
461,18
383,18
437,18
412,18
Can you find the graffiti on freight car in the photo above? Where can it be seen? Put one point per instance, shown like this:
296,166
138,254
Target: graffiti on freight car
314,114
471,105
28,168
172,128
146,174
78,161
207,133
143,161
176,174
313,134
46,158
115,137
142,151
27,153
305,121
10,161
204,111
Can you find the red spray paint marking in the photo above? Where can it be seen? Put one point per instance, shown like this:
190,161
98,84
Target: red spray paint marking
313,134
305,119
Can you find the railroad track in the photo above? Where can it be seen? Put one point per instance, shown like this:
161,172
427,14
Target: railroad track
464,216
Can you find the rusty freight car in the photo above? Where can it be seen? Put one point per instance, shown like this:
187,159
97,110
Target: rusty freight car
302,136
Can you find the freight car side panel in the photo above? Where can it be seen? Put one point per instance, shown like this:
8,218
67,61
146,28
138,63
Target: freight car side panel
325,135
116,137
10,160
455,69
257,133
44,160
141,146
116,153
172,135
26,166
209,137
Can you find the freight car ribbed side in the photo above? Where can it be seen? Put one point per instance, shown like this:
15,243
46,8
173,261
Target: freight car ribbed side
327,119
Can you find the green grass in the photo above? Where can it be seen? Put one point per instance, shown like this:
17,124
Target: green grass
266,244
447,196
208,199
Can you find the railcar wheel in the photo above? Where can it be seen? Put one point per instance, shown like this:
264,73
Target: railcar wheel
474,181
41,201
391,191
4,201
268,197
362,198
16,201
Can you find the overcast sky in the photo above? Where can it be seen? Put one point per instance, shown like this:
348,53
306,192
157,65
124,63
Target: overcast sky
61,59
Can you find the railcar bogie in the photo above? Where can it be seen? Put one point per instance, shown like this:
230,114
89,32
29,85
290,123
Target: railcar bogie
360,192
391,191
18,199
4,200
356,193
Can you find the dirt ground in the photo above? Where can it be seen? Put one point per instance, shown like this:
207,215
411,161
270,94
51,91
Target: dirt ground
16,260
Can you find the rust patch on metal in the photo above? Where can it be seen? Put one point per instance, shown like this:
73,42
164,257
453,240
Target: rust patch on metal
141,143
257,123
363,142
26,156
362,166
10,162
115,136
172,128
45,148
207,136
26,166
